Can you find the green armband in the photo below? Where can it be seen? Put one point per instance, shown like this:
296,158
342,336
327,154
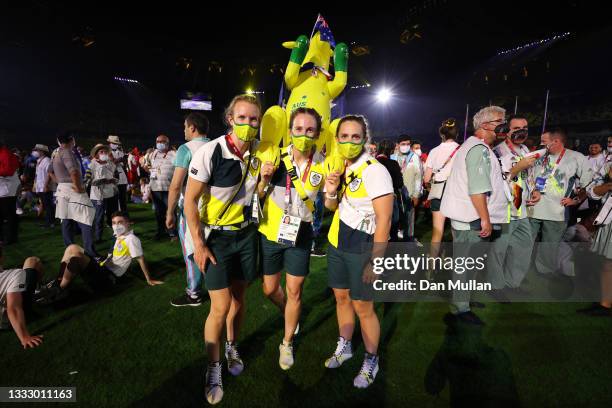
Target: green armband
299,51
341,57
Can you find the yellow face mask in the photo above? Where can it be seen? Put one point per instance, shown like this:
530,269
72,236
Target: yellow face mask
245,132
349,150
302,142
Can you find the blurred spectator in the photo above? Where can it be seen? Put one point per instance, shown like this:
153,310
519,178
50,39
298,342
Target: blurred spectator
371,149
133,167
103,187
9,184
161,169
385,149
44,185
120,160
596,157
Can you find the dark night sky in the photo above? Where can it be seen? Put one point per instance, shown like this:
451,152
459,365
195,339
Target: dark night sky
50,81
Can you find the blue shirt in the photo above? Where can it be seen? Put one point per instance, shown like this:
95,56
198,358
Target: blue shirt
183,154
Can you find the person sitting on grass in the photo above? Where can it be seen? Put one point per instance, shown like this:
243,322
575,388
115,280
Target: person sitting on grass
16,289
99,276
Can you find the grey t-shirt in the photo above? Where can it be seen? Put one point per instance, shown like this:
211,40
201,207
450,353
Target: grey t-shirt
64,161
573,168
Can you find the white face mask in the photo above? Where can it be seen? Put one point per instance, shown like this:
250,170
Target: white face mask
418,152
104,157
114,146
119,229
36,154
404,149
609,149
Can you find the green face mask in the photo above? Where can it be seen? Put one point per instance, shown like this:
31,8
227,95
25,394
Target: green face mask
245,132
302,142
349,150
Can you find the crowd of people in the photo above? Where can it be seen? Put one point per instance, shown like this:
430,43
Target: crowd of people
241,210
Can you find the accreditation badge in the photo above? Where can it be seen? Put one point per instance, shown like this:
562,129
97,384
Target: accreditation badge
288,230
540,184
256,213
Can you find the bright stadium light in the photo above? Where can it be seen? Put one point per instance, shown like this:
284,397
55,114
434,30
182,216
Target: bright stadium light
120,79
384,95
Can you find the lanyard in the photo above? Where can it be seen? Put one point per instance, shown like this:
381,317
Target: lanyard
288,183
556,163
232,146
514,153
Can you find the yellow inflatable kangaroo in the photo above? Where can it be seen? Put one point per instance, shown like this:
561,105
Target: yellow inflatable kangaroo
308,79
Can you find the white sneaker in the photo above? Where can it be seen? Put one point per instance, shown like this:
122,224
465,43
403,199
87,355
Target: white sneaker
344,351
214,384
285,359
418,243
368,371
297,329
234,362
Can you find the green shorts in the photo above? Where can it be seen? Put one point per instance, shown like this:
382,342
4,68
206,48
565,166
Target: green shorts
236,256
435,204
295,260
345,271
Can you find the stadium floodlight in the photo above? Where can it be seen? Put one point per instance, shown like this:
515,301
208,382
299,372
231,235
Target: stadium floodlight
120,79
383,95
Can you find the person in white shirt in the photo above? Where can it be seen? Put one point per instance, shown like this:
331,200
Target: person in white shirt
437,169
103,187
44,185
99,276
596,157
161,169
412,172
16,289
120,160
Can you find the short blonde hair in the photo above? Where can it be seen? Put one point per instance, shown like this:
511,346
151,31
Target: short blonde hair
252,99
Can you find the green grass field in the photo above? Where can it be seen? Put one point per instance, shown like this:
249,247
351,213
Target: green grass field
131,348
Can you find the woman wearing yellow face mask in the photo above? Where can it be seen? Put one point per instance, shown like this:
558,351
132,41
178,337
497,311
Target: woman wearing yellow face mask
289,193
223,174
362,218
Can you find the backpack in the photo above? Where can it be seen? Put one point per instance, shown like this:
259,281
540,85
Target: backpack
9,163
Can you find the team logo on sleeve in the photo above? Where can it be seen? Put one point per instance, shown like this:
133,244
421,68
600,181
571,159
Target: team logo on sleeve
354,185
255,163
194,171
315,178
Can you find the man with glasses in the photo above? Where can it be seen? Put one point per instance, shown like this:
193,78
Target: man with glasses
520,241
476,200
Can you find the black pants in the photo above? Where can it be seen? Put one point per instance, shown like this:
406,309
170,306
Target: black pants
160,200
47,201
122,198
8,219
110,206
